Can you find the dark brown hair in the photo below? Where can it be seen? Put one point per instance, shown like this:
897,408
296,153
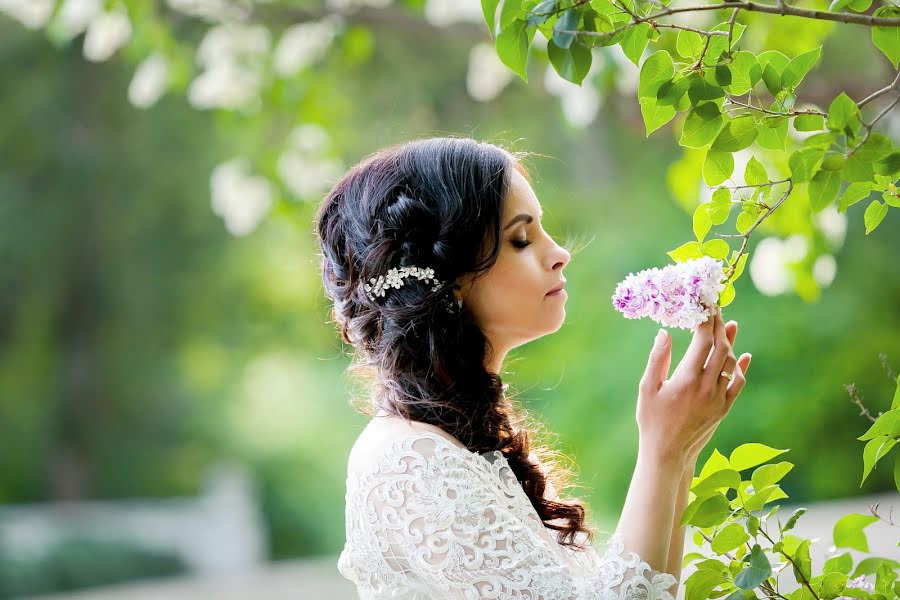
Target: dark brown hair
434,202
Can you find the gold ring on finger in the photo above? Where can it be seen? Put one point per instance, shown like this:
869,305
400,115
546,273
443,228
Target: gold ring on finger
730,376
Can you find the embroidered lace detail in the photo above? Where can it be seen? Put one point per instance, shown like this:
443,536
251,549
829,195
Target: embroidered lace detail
431,520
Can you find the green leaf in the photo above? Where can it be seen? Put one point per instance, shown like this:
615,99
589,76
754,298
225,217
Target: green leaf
701,222
860,5
859,167
747,456
803,162
712,511
657,69
887,424
837,5
635,40
772,63
823,189
512,47
509,12
871,564
896,402
716,248
655,114
572,63
897,472
874,451
889,165
726,295
717,166
853,194
567,21
686,252
688,44
802,562
726,478
700,89
887,38
720,206
755,173
489,7
736,135
773,133
540,13
842,563
767,475
745,221
756,572
702,125
844,116
701,583
848,531
729,538
809,122
799,67
875,213
745,73
798,512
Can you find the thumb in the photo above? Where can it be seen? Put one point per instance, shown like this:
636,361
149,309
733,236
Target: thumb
660,358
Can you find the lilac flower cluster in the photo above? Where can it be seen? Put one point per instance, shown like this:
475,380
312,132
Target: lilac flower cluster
861,583
681,295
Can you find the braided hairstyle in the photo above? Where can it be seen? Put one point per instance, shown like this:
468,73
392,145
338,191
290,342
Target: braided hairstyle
433,202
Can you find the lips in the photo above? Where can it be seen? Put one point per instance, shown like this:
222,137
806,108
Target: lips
558,287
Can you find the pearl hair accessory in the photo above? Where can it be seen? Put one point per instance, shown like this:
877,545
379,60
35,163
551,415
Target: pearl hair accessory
377,286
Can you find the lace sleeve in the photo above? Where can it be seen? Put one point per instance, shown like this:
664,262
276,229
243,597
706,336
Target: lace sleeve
436,521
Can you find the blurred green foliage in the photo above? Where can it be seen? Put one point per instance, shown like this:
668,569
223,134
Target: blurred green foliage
139,342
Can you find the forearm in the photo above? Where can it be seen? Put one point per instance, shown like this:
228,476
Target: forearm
648,516
676,545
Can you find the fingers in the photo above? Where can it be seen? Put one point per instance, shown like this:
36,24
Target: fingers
658,362
720,354
740,379
700,345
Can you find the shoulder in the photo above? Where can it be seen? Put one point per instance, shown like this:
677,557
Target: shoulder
383,433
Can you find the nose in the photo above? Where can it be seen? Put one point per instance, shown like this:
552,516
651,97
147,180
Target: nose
560,257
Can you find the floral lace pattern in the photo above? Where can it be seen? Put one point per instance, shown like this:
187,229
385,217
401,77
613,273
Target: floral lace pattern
432,520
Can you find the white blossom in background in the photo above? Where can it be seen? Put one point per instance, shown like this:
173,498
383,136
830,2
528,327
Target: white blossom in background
150,81
107,33
833,224
232,55
347,4
487,75
441,13
212,10
303,166
304,44
824,270
233,42
224,86
580,103
74,16
310,138
241,199
33,14
768,263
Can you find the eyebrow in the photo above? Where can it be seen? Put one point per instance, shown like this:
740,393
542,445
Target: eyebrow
521,217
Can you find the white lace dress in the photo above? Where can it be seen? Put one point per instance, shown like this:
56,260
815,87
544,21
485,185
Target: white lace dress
432,520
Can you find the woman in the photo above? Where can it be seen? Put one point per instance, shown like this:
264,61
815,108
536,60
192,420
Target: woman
436,261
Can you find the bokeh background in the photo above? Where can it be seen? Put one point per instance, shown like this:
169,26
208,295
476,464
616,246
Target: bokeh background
173,402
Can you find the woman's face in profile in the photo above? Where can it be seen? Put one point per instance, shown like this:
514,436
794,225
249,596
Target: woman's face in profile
510,301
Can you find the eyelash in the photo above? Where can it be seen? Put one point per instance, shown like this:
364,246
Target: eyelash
520,243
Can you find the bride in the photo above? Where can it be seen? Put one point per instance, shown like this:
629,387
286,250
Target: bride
437,263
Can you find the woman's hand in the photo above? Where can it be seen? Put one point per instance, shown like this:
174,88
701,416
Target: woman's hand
676,417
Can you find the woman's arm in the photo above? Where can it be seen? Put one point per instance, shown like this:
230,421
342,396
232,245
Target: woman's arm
648,516
676,546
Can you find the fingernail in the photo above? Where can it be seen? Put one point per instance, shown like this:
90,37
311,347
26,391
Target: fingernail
661,337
